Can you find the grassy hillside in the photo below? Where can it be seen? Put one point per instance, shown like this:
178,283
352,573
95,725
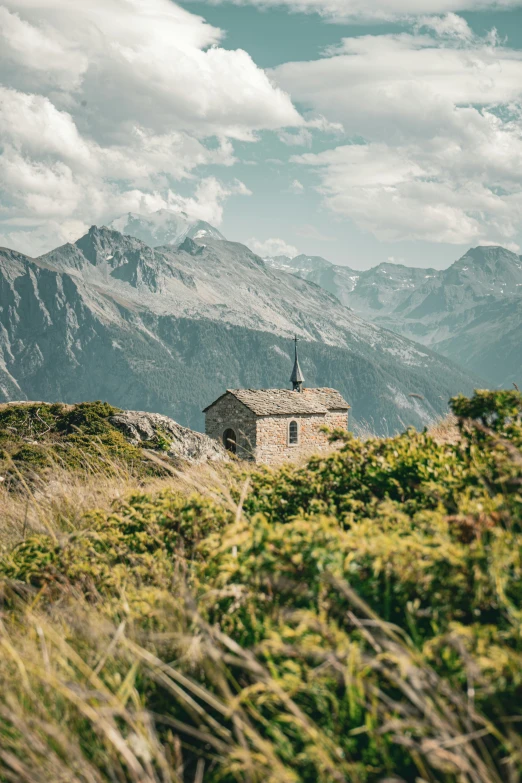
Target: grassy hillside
36,436
58,461
357,618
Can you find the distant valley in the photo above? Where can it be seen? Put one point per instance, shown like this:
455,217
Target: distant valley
169,328
470,312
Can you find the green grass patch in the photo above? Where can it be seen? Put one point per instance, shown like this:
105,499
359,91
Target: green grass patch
36,437
357,618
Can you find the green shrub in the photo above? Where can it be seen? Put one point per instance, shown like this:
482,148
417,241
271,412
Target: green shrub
37,437
358,620
137,545
33,456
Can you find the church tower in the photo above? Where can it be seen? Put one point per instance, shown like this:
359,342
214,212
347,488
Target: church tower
297,379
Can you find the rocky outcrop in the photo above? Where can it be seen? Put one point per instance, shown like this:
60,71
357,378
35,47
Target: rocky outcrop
178,442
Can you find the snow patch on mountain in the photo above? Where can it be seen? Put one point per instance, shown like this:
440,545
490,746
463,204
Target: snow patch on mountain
471,312
164,227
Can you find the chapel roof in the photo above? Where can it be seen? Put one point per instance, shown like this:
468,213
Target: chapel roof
270,402
330,398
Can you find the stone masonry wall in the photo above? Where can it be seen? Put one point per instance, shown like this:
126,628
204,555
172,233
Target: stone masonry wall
230,413
272,438
265,438
337,420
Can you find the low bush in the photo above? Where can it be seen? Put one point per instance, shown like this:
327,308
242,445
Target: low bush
354,619
37,438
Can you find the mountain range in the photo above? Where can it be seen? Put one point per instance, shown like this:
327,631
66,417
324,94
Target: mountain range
168,329
470,312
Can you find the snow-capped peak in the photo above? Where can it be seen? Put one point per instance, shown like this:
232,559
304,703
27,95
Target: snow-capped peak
164,227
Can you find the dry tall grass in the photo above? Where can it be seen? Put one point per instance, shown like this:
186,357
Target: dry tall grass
445,431
218,669
74,712
56,501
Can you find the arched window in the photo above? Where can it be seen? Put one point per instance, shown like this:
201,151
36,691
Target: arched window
229,441
293,433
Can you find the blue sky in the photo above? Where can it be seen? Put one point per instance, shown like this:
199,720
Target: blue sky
358,131
276,36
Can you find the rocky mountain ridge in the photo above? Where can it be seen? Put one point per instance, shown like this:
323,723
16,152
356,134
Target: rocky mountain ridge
167,329
470,312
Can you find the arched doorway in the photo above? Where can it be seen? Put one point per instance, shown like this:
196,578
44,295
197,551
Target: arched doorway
229,441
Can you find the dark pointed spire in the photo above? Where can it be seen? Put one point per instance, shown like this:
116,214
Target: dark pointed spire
297,378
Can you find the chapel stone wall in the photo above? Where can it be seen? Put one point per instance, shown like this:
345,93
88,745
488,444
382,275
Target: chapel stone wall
229,413
337,420
273,445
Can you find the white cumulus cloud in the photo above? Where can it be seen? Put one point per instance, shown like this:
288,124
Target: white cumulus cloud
207,203
297,187
299,138
440,116
450,25
108,103
272,247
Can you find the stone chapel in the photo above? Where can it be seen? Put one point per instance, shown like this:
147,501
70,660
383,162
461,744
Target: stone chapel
271,426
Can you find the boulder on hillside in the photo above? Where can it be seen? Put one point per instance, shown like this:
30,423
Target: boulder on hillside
178,442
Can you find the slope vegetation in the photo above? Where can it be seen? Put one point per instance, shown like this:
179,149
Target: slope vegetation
37,438
355,619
